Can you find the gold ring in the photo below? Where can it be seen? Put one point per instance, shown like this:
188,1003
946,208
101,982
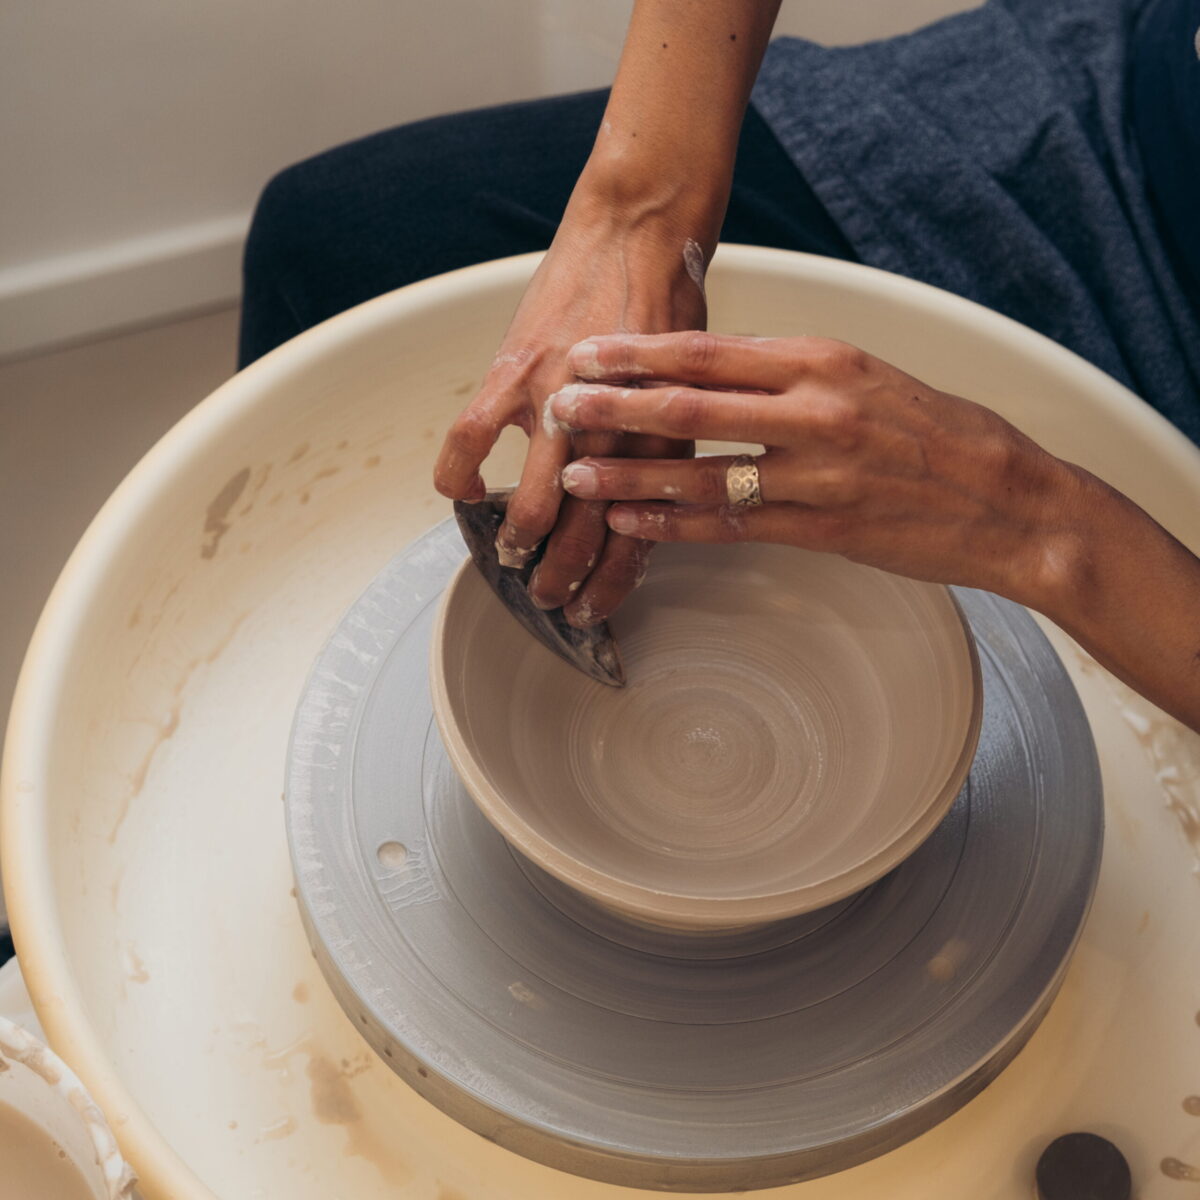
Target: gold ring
742,483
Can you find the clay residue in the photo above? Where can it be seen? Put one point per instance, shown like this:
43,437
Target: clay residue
257,484
216,519
135,969
1191,1106
1172,1168
524,994
333,1102
300,993
138,779
327,473
282,1128
331,1097
1172,748
372,461
299,452
450,1193
170,724
944,965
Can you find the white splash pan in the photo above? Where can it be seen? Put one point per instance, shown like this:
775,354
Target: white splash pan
144,850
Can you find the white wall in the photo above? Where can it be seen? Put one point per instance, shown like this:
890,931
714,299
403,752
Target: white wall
137,133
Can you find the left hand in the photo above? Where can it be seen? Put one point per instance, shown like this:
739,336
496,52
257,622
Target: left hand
861,459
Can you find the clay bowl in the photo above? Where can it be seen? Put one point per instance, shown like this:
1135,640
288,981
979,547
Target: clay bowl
794,725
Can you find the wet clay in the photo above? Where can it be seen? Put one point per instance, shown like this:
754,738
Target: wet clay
33,1164
793,726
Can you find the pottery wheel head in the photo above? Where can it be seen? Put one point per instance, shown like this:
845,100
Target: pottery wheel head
792,727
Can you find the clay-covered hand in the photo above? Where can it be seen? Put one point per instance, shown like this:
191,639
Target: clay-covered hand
860,458
604,271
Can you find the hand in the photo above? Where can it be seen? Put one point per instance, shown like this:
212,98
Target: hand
863,460
608,269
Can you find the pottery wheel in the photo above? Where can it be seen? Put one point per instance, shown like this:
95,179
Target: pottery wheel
680,1062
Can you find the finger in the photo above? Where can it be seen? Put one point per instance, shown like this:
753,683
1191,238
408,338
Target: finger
621,568
708,359
533,506
791,524
699,481
572,551
676,412
705,480
467,443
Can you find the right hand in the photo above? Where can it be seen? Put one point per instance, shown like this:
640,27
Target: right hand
614,267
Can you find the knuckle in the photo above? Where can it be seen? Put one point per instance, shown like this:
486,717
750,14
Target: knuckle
834,357
698,350
571,550
532,514
471,431
839,421
999,456
839,485
684,408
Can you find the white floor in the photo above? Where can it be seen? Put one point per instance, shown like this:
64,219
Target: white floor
72,423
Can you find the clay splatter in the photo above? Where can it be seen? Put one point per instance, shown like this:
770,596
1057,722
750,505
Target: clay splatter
524,994
1172,1168
1172,749
282,1128
135,969
216,518
169,725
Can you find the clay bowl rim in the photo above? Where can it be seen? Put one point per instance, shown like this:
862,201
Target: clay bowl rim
678,909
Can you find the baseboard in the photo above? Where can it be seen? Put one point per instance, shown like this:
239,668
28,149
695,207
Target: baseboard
128,283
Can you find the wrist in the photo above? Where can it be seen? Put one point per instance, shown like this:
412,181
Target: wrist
1071,551
659,198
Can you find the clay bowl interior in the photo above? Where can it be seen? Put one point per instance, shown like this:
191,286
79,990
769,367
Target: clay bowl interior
794,725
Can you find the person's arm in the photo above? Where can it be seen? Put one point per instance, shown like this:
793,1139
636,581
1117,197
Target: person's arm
866,461
630,255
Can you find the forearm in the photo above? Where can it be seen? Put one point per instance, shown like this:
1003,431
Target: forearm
666,148
1129,593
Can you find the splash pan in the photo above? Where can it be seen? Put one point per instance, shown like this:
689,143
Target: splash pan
146,864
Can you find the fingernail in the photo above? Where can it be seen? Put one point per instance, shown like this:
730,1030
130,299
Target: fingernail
622,520
581,480
584,359
512,556
565,405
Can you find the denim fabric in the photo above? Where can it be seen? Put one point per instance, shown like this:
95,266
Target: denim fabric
991,154
1165,111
